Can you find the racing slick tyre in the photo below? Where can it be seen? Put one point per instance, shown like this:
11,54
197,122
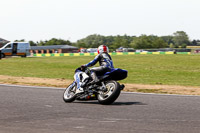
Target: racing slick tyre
69,93
111,94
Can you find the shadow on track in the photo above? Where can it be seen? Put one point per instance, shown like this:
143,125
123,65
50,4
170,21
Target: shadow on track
114,104
128,103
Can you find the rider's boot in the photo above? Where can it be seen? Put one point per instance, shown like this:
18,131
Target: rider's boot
80,90
95,79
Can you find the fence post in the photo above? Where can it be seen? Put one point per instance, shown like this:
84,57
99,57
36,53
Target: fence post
0,54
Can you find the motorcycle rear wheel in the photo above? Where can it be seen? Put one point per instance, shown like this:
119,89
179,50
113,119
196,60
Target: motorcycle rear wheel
69,93
112,93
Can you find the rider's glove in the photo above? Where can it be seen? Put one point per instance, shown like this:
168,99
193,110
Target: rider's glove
83,67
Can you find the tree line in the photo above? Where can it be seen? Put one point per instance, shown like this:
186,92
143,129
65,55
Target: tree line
179,39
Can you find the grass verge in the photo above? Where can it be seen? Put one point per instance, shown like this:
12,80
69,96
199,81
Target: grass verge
142,69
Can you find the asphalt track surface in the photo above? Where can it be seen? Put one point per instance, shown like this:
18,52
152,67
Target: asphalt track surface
42,110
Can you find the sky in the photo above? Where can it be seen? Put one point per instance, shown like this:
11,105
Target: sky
76,19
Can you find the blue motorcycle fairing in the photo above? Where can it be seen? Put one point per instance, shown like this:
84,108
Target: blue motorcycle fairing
78,70
116,74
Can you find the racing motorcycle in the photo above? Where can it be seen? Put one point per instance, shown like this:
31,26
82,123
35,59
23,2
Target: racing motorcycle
106,91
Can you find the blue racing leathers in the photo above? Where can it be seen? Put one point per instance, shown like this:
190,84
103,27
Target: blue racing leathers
105,62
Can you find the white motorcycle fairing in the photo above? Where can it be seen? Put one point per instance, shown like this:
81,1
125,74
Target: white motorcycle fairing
80,78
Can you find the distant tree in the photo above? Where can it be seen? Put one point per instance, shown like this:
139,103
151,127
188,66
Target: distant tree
171,45
41,43
168,39
120,41
92,41
180,37
113,42
22,40
54,41
198,42
109,40
32,43
82,45
176,46
159,43
142,42
194,43
184,45
145,42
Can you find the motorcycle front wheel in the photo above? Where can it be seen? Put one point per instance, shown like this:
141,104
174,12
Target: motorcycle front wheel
111,94
69,93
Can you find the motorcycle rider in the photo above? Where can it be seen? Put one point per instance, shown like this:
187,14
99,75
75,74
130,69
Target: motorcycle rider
105,62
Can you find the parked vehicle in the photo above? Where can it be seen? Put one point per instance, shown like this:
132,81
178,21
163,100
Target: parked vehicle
82,50
92,50
122,49
106,91
197,51
15,49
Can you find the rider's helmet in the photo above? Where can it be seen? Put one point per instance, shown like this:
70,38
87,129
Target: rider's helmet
102,49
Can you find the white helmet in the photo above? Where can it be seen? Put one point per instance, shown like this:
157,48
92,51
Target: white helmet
102,48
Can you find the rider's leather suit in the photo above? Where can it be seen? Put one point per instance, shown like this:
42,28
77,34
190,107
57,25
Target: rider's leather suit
105,62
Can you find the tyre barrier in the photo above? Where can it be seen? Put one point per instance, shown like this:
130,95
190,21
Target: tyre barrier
121,53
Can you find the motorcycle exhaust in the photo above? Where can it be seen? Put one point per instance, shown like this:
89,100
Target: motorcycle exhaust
122,86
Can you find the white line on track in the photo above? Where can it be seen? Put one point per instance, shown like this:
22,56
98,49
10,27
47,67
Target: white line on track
124,92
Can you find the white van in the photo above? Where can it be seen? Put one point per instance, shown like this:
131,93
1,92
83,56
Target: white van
15,49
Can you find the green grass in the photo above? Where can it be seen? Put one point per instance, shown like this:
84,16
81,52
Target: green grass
142,69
